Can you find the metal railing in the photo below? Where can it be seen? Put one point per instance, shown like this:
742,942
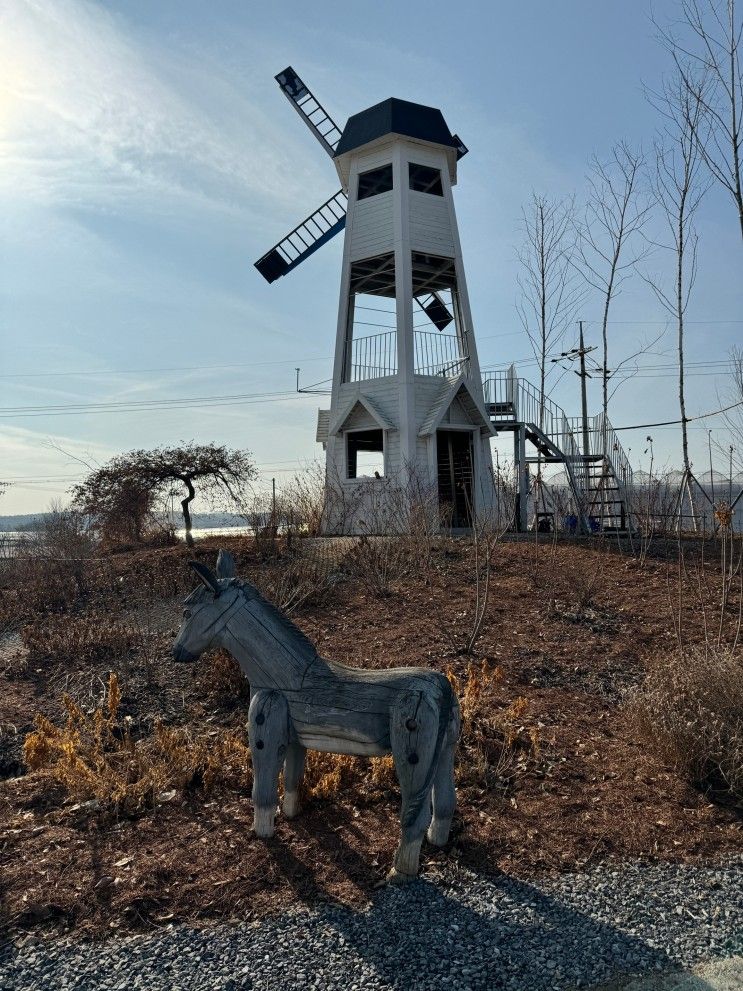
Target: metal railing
603,442
516,399
375,356
437,353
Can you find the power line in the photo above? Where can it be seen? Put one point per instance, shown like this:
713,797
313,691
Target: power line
688,419
140,405
150,371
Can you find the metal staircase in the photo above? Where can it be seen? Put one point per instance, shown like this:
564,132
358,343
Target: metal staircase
305,239
597,469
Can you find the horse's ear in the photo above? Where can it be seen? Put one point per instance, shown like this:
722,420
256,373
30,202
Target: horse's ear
225,565
205,576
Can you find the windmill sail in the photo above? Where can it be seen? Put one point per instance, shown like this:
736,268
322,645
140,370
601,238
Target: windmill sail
309,109
306,238
435,309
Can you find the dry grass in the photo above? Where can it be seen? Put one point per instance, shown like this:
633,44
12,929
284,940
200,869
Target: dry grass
95,757
496,740
690,709
79,639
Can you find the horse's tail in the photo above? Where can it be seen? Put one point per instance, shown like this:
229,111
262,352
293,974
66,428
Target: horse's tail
446,707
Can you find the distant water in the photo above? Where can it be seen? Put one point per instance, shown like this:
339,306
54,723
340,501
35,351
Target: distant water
199,532
9,539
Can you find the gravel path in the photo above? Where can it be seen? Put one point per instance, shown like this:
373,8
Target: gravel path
455,930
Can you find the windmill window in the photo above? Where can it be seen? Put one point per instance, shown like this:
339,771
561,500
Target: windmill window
375,182
365,453
424,179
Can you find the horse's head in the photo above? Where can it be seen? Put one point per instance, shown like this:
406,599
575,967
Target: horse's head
206,607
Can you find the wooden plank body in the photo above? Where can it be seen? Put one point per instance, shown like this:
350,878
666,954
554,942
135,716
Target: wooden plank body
347,710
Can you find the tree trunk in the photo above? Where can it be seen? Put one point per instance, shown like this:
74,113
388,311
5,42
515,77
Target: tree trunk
185,503
734,125
680,315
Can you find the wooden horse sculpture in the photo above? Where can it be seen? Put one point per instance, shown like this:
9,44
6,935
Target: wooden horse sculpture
299,700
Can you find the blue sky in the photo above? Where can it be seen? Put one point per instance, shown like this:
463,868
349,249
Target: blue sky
147,158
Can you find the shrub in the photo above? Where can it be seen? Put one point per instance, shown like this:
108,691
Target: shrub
690,709
95,757
380,563
299,579
49,567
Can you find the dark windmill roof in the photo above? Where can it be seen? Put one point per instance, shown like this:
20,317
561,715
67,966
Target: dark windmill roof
395,116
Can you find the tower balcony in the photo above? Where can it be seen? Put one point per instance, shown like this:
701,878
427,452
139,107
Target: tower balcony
436,354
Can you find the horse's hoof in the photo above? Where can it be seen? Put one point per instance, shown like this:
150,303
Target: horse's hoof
291,804
263,823
438,832
397,877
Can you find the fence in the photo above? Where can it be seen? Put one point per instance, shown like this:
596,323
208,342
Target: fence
375,356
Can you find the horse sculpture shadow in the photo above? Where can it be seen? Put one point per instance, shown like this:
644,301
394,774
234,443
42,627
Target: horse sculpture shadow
490,936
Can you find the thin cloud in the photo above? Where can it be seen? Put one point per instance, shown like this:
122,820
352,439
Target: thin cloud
92,114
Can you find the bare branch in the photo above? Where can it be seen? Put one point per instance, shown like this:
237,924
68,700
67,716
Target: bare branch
610,244
678,186
706,52
549,287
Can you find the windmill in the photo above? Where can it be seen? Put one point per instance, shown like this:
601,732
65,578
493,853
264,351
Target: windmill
406,406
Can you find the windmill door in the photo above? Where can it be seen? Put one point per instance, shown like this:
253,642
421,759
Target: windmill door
454,449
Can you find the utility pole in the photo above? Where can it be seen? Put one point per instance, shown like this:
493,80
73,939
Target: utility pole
583,392
580,352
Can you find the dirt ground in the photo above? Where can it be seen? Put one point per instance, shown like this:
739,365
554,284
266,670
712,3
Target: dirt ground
573,628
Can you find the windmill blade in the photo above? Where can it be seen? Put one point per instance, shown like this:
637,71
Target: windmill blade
309,109
305,239
461,147
435,309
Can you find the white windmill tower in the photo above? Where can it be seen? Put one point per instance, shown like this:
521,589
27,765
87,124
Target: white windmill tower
407,405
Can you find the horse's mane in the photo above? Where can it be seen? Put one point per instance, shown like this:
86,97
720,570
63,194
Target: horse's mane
301,643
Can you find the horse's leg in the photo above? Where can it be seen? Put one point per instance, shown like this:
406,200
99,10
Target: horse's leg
293,771
268,734
444,794
414,722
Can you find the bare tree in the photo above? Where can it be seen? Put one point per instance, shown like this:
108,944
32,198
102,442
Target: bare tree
126,487
610,244
705,48
549,286
678,188
734,415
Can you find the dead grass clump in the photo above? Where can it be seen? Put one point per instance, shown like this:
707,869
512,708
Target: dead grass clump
690,709
79,639
496,742
327,775
95,757
571,584
220,677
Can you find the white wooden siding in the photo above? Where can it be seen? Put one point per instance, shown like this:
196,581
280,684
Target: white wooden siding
383,393
360,419
430,226
456,415
372,230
